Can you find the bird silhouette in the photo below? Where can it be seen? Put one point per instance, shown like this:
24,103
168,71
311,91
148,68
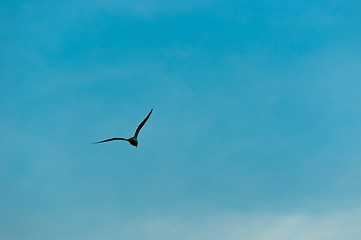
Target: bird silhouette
132,140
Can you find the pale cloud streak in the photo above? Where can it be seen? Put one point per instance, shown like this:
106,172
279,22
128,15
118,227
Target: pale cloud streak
213,226
235,226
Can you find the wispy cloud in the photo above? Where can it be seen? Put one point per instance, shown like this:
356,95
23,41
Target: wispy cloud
213,226
327,226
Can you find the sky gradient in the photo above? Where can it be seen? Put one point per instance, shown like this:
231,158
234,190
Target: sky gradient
255,132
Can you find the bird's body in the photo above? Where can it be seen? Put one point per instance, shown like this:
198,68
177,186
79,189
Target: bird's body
132,140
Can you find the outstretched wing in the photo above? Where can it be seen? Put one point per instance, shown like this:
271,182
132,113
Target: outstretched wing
111,139
142,124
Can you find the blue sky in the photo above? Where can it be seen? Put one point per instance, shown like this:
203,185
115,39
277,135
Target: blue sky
255,131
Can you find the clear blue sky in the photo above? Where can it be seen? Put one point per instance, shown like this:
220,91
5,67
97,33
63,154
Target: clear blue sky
255,133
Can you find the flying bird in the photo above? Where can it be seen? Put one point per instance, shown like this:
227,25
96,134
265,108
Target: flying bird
133,140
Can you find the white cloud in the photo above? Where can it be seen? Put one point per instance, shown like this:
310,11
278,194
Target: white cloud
336,225
107,225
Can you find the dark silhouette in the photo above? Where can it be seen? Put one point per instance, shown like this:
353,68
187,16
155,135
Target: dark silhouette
133,140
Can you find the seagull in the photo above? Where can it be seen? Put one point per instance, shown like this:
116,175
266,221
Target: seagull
133,140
